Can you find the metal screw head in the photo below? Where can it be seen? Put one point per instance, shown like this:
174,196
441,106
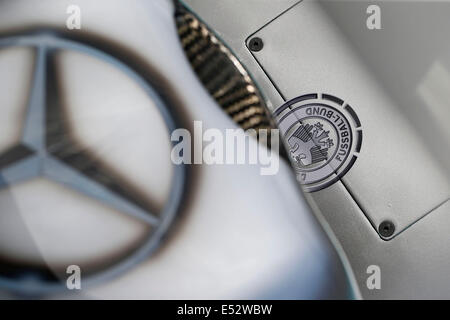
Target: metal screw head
386,229
255,44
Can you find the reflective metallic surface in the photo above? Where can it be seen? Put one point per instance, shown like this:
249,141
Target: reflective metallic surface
238,234
380,181
396,80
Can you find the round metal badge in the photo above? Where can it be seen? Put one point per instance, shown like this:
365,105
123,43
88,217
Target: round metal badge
323,136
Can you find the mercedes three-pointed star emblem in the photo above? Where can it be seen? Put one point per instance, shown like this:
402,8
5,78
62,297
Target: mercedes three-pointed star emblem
47,150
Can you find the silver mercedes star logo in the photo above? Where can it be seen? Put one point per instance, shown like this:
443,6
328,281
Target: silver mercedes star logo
47,150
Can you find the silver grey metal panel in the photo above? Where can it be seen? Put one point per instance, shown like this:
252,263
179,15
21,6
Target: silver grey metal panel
304,50
410,60
413,265
395,177
234,21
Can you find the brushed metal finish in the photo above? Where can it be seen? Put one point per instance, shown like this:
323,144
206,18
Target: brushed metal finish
305,51
317,58
413,265
410,60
